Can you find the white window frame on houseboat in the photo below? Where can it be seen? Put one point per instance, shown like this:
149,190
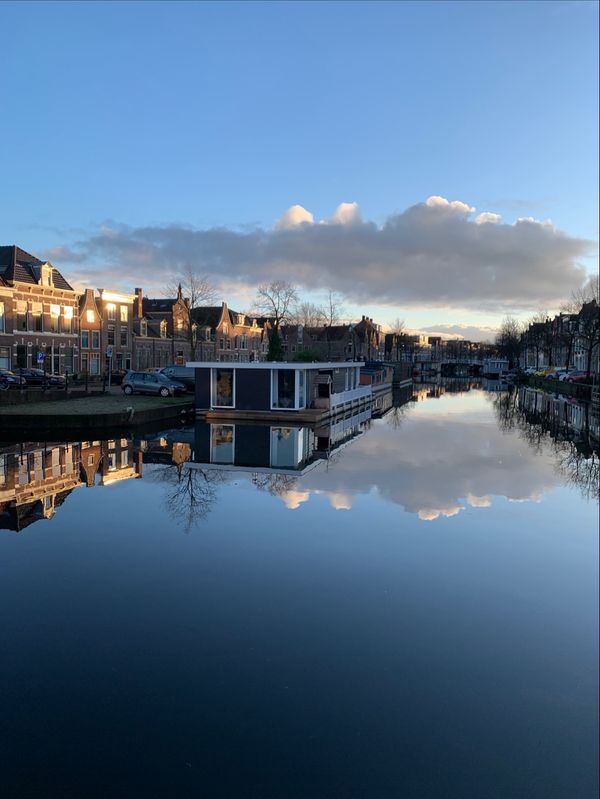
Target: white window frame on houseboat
299,382
213,387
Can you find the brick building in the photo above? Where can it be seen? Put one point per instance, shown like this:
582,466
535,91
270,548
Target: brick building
38,314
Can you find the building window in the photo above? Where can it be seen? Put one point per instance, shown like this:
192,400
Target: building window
143,328
90,316
221,344
2,317
111,312
36,317
85,339
85,362
243,342
67,319
223,392
124,337
55,318
94,363
225,329
95,339
163,329
124,313
227,343
110,334
68,361
5,357
21,315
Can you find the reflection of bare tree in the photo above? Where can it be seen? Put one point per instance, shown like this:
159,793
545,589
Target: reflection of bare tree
191,492
581,468
505,407
396,415
275,484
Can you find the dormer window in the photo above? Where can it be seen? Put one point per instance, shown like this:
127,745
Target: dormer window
143,328
46,275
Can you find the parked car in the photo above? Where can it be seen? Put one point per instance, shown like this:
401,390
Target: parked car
9,379
578,376
37,377
151,383
565,375
182,375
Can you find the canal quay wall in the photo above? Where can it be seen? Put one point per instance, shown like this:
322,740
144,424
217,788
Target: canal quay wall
579,391
100,413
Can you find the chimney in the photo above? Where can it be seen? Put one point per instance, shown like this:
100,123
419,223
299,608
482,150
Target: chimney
138,304
363,317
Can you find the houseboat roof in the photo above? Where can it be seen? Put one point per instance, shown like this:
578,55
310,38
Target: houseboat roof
256,365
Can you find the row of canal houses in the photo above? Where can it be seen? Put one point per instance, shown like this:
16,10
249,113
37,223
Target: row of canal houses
571,340
45,322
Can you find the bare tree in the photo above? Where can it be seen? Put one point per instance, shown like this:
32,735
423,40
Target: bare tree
397,329
308,314
333,310
508,339
588,320
196,290
278,301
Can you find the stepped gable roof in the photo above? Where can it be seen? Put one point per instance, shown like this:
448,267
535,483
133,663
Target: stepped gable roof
17,264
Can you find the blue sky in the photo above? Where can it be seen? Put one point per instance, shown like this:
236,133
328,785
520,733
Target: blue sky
129,116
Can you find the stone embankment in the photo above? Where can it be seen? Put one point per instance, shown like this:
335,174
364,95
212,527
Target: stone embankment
580,391
86,414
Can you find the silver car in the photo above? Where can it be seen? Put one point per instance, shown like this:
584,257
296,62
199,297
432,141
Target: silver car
151,383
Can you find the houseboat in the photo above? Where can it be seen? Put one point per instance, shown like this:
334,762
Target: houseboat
308,392
495,368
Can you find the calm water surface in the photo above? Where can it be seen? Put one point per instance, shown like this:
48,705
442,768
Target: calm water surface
414,617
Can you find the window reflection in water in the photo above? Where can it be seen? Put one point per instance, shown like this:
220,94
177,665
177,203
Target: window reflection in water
222,443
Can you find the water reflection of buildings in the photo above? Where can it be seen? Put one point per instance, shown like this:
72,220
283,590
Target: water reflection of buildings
36,478
436,388
561,416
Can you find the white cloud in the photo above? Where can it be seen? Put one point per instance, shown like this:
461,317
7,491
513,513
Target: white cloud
456,205
294,216
488,217
346,214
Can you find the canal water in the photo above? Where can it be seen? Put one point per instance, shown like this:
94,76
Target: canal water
397,608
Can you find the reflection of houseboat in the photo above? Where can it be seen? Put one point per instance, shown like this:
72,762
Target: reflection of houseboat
278,447
258,391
